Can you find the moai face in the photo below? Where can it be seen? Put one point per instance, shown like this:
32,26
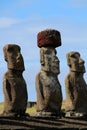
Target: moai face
13,57
49,60
75,63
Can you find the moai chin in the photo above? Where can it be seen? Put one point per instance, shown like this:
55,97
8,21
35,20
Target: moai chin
76,88
48,88
14,85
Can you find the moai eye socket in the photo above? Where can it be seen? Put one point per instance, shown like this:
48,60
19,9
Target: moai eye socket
48,52
10,49
55,51
75,55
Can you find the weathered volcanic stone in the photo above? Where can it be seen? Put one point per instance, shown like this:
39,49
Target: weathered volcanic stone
48,88
76,87
49,38
14,85
12,55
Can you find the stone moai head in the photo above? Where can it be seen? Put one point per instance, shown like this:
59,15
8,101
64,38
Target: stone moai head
49,60
75,63
13,57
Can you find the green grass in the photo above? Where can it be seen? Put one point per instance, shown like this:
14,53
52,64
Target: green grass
1,107
30,110
63,105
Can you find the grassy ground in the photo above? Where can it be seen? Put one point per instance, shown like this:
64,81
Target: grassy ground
1,107
30,110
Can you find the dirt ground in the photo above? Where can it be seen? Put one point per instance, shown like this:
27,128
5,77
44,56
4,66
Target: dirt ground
42,123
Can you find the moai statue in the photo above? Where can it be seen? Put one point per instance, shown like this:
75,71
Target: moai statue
14,85
48,88
76,88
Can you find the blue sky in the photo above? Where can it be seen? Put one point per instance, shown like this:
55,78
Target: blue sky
20,22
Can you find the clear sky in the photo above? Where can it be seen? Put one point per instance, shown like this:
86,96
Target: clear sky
20,22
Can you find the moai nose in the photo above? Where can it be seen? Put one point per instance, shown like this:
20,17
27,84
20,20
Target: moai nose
18,56
81,61
56,60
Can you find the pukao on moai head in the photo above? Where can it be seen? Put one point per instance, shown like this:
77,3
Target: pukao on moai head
14,86
49,95
76,88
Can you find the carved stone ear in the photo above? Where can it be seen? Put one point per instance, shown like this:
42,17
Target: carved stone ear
68,59
42,56
5,52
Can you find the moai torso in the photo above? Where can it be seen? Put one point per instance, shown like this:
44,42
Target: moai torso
76,88
14,85
49,95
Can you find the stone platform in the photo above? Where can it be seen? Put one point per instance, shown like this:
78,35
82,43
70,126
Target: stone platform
39,123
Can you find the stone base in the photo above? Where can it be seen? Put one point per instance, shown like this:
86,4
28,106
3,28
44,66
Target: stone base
42,123
48,114
73,114
10,114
